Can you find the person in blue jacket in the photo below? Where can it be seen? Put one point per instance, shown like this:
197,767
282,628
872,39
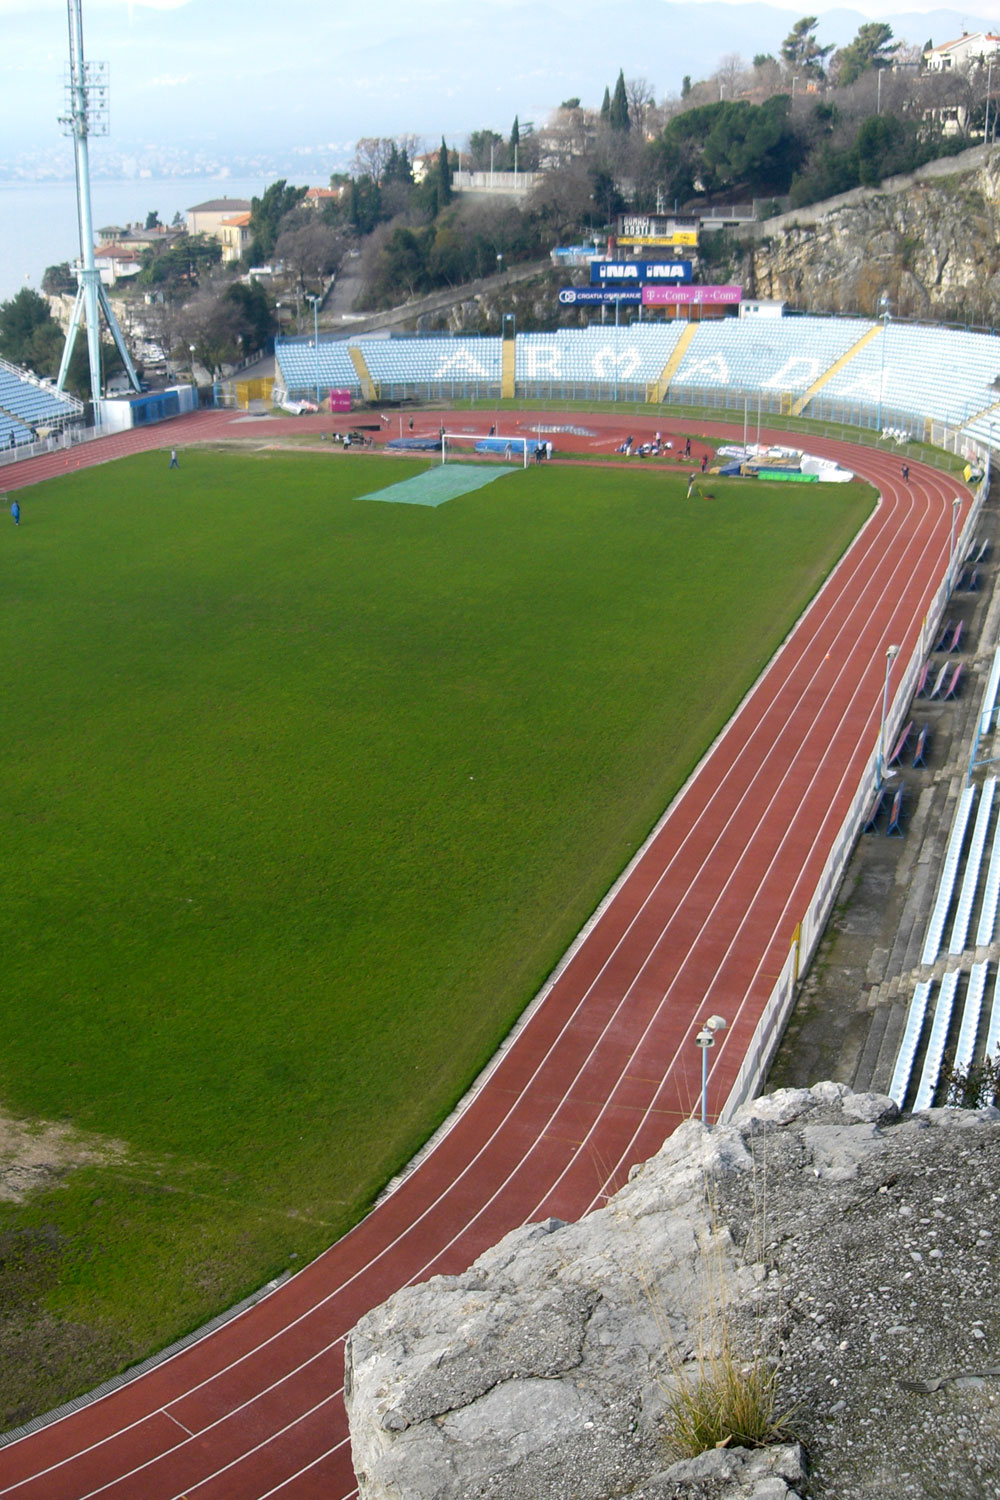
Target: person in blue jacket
15,511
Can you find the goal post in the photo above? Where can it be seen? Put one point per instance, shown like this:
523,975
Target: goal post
456,446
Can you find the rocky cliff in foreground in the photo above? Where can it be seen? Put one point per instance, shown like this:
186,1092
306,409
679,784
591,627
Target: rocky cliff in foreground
857,1248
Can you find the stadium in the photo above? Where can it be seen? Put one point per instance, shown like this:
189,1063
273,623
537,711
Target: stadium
714,905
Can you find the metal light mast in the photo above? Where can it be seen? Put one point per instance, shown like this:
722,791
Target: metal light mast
87,115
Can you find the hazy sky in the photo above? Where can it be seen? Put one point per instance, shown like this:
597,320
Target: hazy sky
240,75
985,10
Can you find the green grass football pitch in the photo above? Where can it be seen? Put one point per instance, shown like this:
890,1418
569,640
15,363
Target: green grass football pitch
303,798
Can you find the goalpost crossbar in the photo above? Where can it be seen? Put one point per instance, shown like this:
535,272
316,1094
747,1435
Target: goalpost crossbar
457,444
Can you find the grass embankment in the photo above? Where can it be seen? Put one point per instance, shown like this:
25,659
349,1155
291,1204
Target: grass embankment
302,800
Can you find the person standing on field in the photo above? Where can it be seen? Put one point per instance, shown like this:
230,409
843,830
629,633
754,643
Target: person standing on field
15,511
173,459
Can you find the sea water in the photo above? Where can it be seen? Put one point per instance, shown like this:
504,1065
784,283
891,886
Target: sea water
38,221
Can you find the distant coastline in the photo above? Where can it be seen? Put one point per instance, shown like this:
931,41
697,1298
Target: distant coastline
38,222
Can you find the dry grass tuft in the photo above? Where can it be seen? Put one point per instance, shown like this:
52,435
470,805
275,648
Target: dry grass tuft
725,1401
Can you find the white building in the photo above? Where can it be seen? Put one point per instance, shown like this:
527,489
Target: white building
972,49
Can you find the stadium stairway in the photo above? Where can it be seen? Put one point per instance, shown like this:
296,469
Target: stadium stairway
507,375
658,392
799,406
369,387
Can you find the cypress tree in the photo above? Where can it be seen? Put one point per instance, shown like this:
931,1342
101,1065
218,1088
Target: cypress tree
444,176
515,139
606,107
618,115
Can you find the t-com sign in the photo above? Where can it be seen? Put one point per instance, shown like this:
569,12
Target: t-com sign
666,296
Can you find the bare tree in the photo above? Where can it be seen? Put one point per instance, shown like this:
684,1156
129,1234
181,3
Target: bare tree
158,318
641,98
212,326
731,76
371,153
410,143
564,196
311,252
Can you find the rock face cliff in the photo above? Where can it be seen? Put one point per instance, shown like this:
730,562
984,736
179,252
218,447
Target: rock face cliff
931,241
821,1231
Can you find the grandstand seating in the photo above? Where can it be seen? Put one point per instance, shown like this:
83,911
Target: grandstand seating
396,365
949,873
632,356
911,1038
911,372
10,426
929,372
971,1013
930,1073
461,360
26,403
985,427
970,877
301,368
789,354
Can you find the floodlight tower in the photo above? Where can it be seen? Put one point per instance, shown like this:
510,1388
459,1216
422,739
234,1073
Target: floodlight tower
87,115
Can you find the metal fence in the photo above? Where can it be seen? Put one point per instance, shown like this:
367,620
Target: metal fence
66,437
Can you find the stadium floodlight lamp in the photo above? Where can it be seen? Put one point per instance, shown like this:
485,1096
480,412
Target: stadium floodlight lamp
704,1039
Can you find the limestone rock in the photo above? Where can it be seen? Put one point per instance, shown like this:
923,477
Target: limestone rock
854,1248
929,240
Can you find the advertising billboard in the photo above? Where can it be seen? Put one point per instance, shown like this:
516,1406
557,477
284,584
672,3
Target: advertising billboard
568,295
670,296
638,272
682,238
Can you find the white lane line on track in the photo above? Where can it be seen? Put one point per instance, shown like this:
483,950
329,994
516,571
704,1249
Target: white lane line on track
178,1423
292,1478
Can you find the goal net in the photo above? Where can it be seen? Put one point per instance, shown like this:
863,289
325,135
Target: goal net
458,446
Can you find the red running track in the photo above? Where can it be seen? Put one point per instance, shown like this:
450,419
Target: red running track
602,1071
